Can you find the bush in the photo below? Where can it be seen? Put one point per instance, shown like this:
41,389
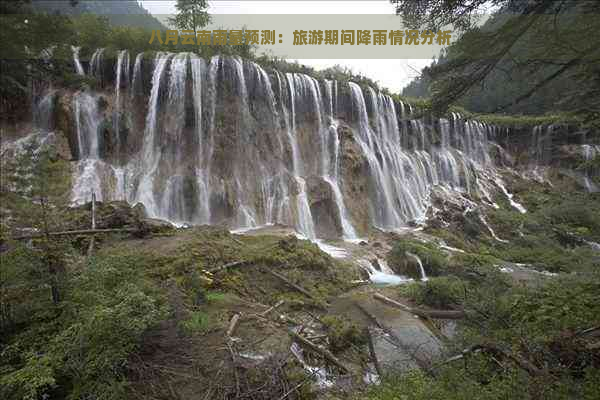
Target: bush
84,349
440,292
343,333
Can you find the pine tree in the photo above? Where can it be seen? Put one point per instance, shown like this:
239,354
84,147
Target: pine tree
35,193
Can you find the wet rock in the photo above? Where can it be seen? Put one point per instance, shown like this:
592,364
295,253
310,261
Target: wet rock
324,208
109,215
405,343
65,123
354,180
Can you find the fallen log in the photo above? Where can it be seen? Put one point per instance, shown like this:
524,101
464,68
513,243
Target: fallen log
77,232
277,305
233,324
226,266
290,283
441,314
323,352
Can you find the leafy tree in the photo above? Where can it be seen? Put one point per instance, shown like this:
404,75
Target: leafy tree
35,191
191,15
536,44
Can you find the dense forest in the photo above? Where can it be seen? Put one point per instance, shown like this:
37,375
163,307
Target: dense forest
195,221
542,73
118,13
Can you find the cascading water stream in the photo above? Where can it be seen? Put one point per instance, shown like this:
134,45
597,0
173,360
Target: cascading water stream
420,264
305,221
150,157
331,169
122,75
78,67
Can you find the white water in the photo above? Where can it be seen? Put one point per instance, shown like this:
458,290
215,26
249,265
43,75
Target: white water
510,196
78,66
319,373
226,142
122,74
385,277
421,269
490,230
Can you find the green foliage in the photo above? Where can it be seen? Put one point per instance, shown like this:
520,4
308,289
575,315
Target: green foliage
214,297
442,292
84,345
191,14
21,56
527,58
517,120
343,333
197,323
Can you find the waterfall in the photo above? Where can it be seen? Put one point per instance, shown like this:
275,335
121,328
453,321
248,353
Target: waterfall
331,169
122,75
198,67
384,276
421,269
226,141
150,157
490,230
136,81
305,221
518,206
385,214
96,65
78,66
87,121
43,111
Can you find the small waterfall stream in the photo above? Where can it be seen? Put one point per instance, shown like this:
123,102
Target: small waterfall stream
420,264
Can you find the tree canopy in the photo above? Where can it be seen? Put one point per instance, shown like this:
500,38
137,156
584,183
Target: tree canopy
546,50
191,14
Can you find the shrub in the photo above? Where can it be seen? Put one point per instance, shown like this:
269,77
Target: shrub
343,333
440,292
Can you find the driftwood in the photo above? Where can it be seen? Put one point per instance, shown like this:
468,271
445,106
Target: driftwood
441,314
290,283
233,324
77,232
277,305
226,266
313,347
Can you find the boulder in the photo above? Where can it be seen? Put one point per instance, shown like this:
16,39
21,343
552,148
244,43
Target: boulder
324,208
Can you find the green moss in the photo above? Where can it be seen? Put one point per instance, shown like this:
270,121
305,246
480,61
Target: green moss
343,333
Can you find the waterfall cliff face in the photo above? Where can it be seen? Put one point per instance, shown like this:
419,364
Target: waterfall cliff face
223,141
